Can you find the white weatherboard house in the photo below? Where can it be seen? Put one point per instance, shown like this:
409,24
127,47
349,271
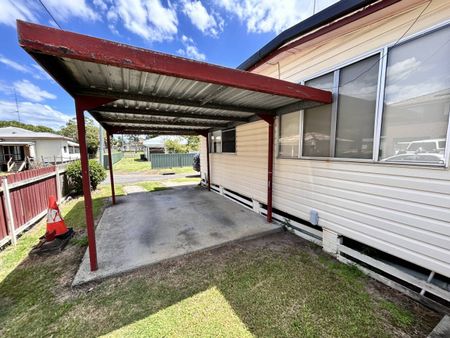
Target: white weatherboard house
20,148
367,177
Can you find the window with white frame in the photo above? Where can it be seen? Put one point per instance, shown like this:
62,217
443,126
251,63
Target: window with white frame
413,116
417,100
289,129
317,122
223,141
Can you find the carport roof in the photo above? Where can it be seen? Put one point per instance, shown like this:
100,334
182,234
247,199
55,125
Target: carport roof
144,91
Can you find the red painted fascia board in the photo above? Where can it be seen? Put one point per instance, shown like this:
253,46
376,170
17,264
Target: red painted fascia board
55,42
327,29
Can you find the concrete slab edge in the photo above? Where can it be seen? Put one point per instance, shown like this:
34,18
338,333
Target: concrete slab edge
132,269
442,330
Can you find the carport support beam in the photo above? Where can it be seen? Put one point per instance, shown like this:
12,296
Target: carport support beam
208,150
86,185
110,164
83,103
270,119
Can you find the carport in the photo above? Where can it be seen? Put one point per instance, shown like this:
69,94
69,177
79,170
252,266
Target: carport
129,90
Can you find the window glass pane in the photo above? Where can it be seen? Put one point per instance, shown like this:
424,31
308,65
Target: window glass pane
229,141
216,142
417,99
317,122
289,134
356,109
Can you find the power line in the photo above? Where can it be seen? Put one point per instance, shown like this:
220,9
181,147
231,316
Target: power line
49,13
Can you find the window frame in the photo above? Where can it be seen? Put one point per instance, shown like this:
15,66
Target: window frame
379,107
210,134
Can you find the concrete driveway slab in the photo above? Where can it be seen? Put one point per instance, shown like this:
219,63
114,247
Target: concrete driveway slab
146,228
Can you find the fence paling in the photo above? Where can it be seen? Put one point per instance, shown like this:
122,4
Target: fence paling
160,161
116,157
24,199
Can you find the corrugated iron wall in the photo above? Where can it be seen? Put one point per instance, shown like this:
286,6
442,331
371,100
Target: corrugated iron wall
116,157
162,161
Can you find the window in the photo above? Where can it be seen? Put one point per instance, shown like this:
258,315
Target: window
356,109
289,135
229,141
65,149
417,100
317,122
223,141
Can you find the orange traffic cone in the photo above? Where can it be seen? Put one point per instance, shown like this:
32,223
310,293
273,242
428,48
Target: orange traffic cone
55,223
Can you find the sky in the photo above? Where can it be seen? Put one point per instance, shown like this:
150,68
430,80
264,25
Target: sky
224,32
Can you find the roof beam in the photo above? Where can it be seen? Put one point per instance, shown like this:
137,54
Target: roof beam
169,101
153,131
160,122
63,44
152,112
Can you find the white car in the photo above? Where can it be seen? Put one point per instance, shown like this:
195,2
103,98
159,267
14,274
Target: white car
417,158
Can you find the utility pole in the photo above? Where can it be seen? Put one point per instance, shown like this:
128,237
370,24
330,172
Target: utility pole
17,104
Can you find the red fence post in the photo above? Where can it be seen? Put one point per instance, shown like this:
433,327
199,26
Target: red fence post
111,176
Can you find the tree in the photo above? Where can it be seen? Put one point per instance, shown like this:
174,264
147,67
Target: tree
70,130
26,126
193,143
175,145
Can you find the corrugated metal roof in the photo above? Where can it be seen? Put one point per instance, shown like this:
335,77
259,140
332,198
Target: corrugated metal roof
16,133
158,93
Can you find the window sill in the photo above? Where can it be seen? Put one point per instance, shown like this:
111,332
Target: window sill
366,161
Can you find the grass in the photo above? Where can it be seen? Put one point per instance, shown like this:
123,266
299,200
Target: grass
185,180
130,165
278,286
151,185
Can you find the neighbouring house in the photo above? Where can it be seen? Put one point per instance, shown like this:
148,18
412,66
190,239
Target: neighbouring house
21,149
155,145
367,176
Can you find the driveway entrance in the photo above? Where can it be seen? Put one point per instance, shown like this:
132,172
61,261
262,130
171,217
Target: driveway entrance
146,228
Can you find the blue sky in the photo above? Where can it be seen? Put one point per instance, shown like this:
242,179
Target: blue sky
224,32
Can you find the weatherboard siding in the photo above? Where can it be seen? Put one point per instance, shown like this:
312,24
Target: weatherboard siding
357,39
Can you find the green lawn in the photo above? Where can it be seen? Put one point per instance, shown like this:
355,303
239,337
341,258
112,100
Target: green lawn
278,286
130,165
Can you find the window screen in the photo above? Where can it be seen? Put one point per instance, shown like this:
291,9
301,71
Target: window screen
229,141
356,109
317,122
417,99
289,134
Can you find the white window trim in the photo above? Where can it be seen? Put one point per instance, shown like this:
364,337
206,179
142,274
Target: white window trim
378,108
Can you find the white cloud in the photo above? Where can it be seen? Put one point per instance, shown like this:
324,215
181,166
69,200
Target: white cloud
33,113
32,92
264,16
147,18
207,23
66,9
13,64
16,9
190,50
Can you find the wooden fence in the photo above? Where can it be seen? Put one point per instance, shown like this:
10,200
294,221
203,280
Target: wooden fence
24,199
160,161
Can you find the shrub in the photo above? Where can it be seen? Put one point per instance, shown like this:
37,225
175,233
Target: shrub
96,172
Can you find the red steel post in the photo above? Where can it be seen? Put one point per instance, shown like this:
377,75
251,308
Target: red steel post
111,176
86,185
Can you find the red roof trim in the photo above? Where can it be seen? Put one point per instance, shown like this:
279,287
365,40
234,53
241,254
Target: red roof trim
50,41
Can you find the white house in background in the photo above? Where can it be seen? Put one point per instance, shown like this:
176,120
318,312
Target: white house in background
156,145
21,148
